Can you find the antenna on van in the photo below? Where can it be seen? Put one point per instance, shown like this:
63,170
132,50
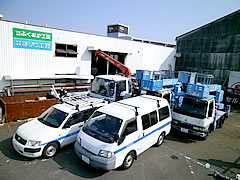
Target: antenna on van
135,107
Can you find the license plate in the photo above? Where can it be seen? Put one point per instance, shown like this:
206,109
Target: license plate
184,130
85,159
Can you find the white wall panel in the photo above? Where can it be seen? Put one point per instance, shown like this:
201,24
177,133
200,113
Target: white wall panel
19,61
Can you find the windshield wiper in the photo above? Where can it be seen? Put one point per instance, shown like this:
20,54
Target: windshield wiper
91,132
104,138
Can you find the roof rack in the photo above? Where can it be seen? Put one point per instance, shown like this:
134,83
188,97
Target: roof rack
158,104
135,107
81,100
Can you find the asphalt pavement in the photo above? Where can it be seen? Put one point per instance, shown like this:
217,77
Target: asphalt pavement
180,157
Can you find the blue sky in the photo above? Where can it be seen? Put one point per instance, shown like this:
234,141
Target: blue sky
158,20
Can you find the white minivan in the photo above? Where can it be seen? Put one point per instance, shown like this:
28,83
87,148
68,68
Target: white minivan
118,132
58,126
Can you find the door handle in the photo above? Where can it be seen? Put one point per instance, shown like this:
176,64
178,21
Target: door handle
143,134
81,126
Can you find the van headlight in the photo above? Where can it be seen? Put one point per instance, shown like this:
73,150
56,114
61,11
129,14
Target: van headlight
33,143
78,140
106,154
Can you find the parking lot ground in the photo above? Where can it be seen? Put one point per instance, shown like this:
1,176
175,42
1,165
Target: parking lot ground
180,157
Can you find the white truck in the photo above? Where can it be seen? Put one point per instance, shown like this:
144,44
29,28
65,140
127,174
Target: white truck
120,131
58,126
197,116
117,87
198,109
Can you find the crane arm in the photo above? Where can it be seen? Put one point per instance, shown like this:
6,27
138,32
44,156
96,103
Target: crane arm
125,70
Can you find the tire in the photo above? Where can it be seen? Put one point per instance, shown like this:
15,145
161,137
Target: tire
160,139
221,122
50,150
128,161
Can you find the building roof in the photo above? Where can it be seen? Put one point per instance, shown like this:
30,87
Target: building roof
194,30
127,38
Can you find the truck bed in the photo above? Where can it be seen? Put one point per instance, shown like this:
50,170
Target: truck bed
219,114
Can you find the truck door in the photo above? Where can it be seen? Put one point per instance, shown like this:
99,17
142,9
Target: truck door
74,124
211,112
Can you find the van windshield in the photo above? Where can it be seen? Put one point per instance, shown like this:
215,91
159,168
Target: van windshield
102,127
52,117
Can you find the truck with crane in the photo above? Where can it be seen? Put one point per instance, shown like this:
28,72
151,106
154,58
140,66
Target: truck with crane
197,107
116,87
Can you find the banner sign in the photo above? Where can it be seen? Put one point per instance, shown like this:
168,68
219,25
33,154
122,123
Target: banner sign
28,39
232,97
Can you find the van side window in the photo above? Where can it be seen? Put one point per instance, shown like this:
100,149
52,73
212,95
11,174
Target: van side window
153,118
163,113
149,119
145,121
130,127
87,113
80,116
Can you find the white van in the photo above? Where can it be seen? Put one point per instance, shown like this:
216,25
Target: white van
118,132
58,126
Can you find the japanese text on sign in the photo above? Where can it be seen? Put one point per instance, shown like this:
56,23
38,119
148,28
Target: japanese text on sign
28,39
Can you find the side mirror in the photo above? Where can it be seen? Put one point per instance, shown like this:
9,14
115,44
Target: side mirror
66,126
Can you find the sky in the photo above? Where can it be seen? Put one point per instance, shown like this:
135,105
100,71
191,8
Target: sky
156,20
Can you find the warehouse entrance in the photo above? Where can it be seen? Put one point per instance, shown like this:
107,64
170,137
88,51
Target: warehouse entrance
101,66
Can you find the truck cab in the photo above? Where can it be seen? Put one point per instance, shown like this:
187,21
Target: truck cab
111,87
193,115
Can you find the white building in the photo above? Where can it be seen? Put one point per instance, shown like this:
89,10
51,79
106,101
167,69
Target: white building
32,58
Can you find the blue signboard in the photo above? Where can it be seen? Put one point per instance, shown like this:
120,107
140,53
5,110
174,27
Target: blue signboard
29,39
32,44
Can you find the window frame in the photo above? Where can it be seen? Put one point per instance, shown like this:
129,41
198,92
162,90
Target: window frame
81,113
125,127
66,50
160,112
150,124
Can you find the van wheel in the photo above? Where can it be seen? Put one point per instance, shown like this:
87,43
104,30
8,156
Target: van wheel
128,161
50,150
160,139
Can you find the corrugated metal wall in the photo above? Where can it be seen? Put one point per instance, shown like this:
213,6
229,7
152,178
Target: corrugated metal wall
213,48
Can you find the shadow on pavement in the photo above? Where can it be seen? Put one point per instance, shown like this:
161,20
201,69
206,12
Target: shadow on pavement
227,167
69,161
7,149
182,137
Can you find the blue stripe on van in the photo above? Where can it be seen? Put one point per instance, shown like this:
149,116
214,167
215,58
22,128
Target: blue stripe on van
121,149
63,137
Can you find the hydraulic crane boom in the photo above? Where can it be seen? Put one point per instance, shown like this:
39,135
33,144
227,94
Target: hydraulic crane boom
125,70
